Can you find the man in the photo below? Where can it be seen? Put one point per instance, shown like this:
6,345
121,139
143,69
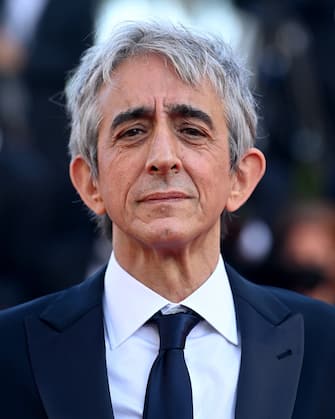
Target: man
163,127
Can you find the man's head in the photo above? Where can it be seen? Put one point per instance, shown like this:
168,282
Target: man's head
195,79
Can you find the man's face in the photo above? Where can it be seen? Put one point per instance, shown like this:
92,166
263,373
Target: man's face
163,156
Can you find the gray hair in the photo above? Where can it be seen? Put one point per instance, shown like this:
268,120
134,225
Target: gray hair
194,56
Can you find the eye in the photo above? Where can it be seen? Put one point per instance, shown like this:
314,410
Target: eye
192,132
132,132
131,136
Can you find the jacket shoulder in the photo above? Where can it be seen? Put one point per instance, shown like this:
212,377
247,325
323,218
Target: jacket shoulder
312,309
75,298
17,314
319,317
276,304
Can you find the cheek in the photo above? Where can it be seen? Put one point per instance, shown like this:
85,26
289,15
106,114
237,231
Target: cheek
213,182
117,182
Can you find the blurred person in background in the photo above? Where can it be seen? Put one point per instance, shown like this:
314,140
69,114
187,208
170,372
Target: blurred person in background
46,239
306,248
296,253
162,144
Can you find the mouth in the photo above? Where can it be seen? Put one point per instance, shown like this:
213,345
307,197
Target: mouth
164,197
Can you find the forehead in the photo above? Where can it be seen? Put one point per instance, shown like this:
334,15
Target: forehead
151,80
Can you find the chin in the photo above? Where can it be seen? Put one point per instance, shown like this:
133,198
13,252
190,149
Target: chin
167,235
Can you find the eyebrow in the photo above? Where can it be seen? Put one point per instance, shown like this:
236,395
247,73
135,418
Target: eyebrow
188,111
130,115
181,110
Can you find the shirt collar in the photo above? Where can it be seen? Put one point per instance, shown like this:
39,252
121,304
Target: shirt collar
128,304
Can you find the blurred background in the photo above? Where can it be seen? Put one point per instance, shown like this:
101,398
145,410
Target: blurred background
284,236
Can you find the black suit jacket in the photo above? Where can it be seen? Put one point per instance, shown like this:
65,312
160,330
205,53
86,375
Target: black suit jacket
52,355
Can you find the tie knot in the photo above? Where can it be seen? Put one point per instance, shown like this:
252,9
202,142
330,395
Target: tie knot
174,328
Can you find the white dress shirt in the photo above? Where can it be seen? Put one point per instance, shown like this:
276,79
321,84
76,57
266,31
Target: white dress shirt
212,350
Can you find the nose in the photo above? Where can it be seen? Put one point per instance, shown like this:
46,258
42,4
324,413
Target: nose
163,154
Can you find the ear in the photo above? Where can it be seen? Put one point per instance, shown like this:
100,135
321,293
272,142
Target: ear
245,178
86,186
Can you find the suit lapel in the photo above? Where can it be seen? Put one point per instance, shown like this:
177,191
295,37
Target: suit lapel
272,352
67,349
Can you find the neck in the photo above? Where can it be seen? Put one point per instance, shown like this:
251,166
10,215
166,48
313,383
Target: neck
172,273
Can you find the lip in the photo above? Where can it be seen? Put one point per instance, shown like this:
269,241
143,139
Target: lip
164,196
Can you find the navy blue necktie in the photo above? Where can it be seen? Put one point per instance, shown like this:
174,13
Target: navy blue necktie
169,392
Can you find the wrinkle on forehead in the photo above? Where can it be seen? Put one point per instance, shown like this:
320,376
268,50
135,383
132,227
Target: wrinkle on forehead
151,83
153,62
